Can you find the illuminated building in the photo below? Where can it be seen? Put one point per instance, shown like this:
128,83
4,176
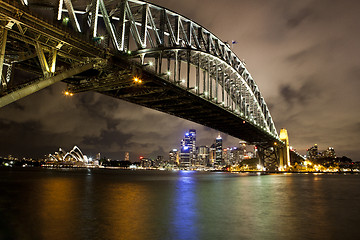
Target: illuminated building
212,155
146,162
193,153
313,152
226,155
188,149
127,156
219,151
329,153
203,155
159,162
75,155
174,157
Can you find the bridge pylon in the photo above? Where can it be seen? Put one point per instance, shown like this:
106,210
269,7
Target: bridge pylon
284,151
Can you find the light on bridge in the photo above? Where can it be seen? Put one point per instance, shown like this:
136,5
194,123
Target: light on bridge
66,20
67,93
137,80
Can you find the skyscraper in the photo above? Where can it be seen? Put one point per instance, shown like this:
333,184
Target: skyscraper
193,152
219,154
188,149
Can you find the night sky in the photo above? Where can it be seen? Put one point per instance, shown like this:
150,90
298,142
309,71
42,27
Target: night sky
303,55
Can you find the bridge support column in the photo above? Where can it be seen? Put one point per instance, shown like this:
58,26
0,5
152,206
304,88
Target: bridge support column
284,152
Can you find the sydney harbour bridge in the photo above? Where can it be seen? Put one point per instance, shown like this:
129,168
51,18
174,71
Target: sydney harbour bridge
138,52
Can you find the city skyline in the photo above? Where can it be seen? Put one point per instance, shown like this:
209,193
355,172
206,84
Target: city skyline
303,65
186,149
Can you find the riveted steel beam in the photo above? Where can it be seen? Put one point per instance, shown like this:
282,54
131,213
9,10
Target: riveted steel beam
42,83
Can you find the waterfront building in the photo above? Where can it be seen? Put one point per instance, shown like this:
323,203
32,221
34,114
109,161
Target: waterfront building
242,150
174,157
329,153
212,155
159,162
226,156
219,151
193,152
203,155
313,152
188,149
146,162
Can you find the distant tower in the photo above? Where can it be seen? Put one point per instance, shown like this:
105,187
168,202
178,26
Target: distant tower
98,156
193,153
284,151
219,153
127,156
188,149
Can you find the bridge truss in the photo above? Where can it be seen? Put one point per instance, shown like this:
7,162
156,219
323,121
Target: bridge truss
135,51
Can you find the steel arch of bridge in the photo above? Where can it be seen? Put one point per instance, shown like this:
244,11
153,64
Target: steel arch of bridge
176,48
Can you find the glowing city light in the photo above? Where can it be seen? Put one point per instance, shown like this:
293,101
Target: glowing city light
67,93
137,80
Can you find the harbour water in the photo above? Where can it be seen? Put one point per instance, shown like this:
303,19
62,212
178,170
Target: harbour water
54,204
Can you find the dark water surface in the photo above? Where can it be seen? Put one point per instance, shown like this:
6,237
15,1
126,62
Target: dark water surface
115,204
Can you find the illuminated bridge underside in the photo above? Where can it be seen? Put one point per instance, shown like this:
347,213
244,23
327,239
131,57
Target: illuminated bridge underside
185,70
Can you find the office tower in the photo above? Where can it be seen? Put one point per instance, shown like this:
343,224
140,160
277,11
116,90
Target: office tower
219,153
188,149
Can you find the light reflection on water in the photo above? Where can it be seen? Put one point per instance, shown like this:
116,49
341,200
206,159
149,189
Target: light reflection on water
184,223
105,204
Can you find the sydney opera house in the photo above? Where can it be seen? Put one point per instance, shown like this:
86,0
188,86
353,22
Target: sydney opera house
75,155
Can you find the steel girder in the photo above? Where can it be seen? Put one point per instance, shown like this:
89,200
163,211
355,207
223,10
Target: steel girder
146,31
172,46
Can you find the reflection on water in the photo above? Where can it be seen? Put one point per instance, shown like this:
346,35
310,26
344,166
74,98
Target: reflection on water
127,211
184,224
57,208
105,204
